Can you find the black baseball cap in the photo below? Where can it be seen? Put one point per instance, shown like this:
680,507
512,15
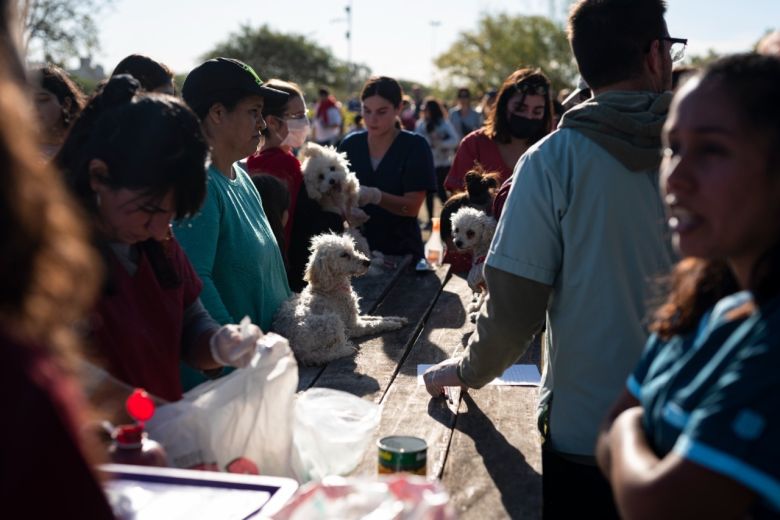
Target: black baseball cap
223,74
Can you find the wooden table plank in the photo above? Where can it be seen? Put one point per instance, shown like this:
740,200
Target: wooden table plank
407,407
493,467
373,288
370,372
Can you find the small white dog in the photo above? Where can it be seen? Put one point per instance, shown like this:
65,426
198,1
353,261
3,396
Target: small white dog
473,230
328,180
320,320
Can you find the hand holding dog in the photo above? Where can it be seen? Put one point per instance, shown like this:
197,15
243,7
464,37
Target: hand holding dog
235,345
369,195
443,375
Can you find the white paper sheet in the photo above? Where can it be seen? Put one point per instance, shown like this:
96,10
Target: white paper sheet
516,375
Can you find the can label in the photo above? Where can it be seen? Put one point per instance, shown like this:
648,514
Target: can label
402,454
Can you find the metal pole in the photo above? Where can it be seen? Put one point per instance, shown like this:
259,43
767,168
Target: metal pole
348,9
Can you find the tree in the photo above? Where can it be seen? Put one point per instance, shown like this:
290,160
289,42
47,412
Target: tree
482,59
290,57
61,29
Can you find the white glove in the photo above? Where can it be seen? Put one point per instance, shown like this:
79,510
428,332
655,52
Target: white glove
369,195
357,217
235,345
442,375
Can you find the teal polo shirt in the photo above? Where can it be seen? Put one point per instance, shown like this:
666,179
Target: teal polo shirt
713,397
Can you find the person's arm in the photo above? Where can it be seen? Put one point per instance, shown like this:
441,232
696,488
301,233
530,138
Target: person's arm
625,401
514,311
645,486
199,237
199,327
406,205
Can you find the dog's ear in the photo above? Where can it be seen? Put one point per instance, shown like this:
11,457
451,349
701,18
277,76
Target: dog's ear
309,149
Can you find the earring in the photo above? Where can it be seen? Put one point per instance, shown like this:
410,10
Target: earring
97,199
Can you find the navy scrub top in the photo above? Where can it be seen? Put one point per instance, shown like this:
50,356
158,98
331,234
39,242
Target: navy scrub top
407,166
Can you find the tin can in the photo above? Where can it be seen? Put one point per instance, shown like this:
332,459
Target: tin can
402,454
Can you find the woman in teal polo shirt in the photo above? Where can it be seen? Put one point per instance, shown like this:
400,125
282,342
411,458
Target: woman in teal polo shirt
696,434
230,242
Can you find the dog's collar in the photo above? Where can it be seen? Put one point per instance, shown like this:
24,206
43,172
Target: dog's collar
480,260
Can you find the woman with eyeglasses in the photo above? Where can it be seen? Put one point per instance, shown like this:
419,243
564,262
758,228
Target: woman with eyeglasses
522,115
286,131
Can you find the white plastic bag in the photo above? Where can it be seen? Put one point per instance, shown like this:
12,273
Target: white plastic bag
332,431
241,423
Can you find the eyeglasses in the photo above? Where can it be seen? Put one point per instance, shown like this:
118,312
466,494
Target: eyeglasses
301,115
532,89
677,49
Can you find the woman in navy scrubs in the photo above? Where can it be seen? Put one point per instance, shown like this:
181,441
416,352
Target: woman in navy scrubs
395,169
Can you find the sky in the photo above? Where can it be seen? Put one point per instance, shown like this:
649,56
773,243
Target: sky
395,38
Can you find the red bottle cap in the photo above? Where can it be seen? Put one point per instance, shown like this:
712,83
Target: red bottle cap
139,405
129,434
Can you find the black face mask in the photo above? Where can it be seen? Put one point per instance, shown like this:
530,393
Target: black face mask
522,128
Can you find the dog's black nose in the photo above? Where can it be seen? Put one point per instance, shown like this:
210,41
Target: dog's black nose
332,181
366,262
458,244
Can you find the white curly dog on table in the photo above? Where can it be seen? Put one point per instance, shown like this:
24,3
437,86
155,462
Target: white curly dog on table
320,320
473,230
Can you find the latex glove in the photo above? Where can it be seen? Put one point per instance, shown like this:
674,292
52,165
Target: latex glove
442,375
357,217
235,345
369,195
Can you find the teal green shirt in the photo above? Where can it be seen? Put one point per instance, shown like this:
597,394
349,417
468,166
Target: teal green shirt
233,250
579,221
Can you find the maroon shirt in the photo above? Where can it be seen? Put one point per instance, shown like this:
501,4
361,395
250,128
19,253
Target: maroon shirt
283,165
42,467
138,327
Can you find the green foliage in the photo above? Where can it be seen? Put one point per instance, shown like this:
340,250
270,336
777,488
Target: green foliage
61,29
483,58
290,57
701,60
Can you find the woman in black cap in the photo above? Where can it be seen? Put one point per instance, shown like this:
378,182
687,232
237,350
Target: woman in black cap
230,242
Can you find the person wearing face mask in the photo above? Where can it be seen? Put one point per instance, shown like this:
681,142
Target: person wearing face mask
580,240
522,115
286,131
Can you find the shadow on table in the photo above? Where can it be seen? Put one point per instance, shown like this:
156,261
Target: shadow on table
357,383
518,483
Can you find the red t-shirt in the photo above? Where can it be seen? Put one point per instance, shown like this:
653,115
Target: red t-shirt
44,471
283,165
138,327
475,148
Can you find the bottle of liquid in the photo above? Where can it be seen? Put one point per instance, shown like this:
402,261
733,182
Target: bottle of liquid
130,443
434,247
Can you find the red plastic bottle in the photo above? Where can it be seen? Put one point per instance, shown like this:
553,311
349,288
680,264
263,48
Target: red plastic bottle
131,445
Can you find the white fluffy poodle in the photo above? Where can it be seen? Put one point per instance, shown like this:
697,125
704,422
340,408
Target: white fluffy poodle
473,230
328,180
320,320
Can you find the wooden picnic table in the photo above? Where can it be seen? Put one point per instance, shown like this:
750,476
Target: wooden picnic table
484,446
